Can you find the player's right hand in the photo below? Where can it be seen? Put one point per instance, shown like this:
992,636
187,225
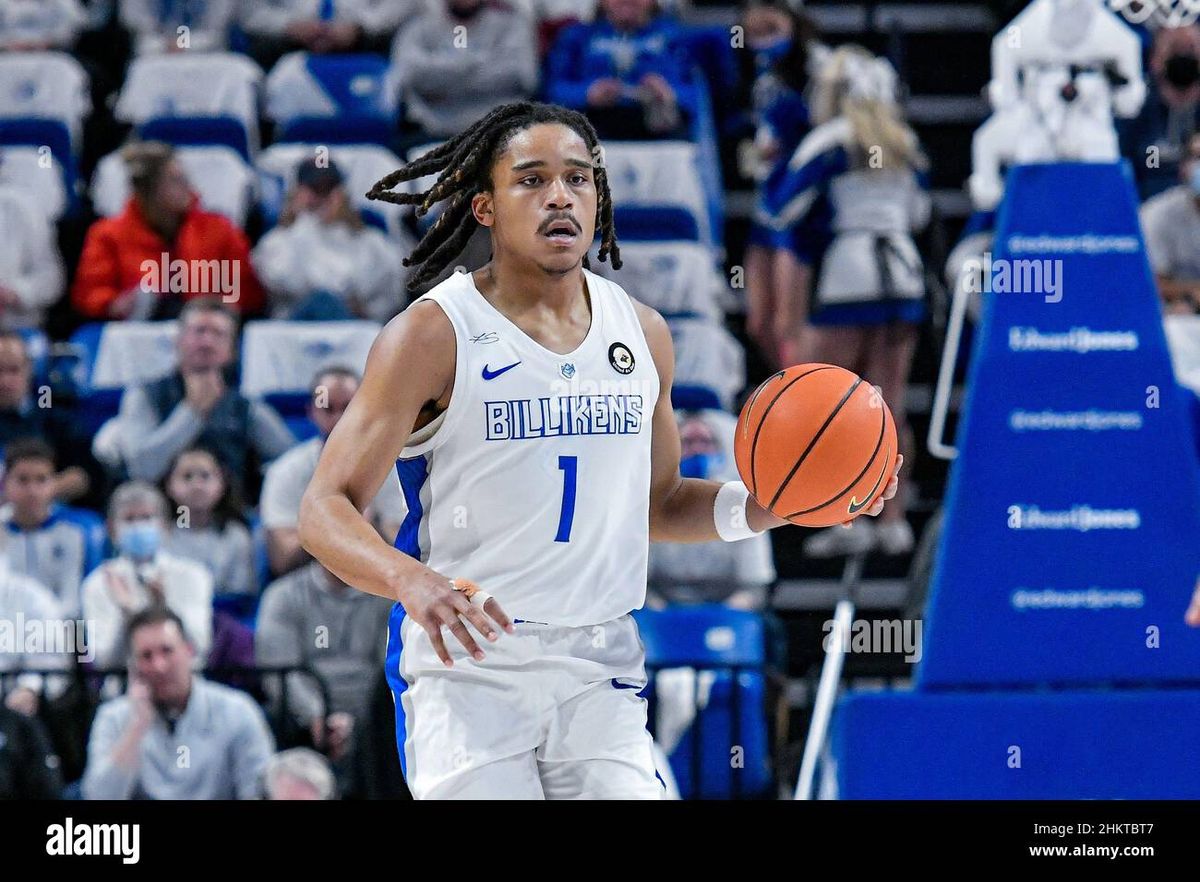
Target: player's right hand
435,605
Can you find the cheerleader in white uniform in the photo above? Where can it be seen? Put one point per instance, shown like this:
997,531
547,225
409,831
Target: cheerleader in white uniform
863,163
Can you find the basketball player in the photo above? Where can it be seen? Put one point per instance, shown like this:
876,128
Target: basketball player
528,405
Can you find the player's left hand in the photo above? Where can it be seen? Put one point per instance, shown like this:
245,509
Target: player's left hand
888,492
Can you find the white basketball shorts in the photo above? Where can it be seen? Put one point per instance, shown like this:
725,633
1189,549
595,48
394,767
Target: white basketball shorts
552,712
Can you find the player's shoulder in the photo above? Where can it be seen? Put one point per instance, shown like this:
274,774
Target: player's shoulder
418,347
425,323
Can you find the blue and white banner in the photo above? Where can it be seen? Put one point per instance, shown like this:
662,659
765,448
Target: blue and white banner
1072,532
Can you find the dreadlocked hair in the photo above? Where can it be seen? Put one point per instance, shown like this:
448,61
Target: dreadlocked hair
464,166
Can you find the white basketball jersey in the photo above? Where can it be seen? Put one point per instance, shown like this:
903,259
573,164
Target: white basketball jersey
535,481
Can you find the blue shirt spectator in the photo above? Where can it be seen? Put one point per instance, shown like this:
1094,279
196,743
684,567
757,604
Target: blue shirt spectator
630,59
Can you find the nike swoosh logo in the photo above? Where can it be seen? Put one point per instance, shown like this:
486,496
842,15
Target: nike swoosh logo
855,505
491,375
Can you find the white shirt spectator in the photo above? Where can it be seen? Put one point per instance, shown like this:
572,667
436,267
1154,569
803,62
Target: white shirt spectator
155,25
187,591
712,571
41,24
354,265
30,265
448,80
24,602
228,743
287,478
1171,225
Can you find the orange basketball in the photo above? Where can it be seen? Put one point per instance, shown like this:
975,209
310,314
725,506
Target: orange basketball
816,444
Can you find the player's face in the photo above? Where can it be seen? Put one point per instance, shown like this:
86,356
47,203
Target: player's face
543,198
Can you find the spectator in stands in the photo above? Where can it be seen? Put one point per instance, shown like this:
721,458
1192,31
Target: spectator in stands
323,26
24,416
1171,226
143,575
29,768
134,748
31,269
299,773
310,617
37,25
322,262
628,70
552,16
23,599
163,249
777,277
159,27
209,526
1155,142
734,573
870,292
51,543
457,60
331,391
198,403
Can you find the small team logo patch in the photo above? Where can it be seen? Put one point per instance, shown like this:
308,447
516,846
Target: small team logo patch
567,369
620,358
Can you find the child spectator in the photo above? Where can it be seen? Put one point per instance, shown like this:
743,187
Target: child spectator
208,526
55,545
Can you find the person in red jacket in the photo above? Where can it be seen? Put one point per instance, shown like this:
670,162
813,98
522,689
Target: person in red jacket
162,249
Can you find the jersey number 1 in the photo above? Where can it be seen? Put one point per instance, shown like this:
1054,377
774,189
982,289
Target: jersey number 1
566,514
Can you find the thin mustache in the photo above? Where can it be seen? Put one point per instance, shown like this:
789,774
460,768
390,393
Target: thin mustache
548,224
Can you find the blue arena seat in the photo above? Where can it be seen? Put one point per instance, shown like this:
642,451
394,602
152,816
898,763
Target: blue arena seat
193,130
306,85
341,129
730,643
23,141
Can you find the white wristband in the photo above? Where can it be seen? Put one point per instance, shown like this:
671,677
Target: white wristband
729,512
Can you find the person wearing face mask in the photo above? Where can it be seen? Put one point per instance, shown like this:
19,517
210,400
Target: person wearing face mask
322,262
209,527
1156,141
286,479
1171,227
734,573
143,575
